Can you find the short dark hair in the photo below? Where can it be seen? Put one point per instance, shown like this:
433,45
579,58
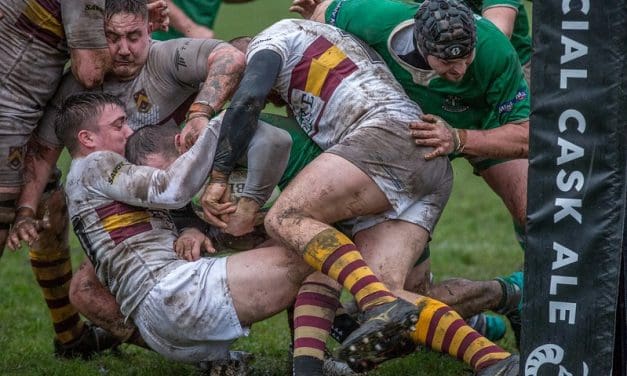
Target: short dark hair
78,112
137,7
155,139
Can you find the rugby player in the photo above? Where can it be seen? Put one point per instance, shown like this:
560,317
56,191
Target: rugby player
344,97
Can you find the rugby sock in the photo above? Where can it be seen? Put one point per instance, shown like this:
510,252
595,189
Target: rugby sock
442,329
314,310
53,272
335,255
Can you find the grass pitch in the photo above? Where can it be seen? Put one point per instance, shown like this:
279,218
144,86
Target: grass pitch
474,239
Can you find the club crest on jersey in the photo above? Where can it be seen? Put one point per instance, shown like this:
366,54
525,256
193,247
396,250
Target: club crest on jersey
16,157
453,103
141,101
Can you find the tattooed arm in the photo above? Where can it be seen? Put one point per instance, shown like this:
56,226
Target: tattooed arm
225,66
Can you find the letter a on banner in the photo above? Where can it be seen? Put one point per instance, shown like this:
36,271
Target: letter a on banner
573,319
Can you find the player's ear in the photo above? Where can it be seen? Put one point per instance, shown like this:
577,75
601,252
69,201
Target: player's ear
177,143
85,138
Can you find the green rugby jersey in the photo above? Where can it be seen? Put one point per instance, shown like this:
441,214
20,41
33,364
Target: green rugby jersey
493,91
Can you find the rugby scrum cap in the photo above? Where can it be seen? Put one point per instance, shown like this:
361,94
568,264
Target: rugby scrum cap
445,29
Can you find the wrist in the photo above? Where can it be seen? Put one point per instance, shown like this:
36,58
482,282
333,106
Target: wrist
200,109
463,137
219,177
247,205
24,211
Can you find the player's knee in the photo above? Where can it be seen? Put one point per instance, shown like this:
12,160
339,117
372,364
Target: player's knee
270,222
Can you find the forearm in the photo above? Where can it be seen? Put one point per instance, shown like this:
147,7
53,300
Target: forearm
508,141
240,119
38,166
179,20
185,177
267,158
225,66
154,188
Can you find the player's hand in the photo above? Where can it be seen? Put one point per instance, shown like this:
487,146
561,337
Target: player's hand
305,8
26,228
158,15
190,133
216,202
434,131
244,219
191,243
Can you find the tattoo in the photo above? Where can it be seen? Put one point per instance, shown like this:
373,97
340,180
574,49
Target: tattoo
226,66
35,154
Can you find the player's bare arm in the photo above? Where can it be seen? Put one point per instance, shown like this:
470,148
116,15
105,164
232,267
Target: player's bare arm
225,66
509,141
310,9
39,163
181,22
502,17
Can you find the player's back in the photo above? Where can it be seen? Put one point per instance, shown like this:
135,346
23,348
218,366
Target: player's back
331,80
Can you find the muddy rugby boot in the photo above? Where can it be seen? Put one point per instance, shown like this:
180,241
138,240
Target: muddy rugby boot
93,340
384,334
509,366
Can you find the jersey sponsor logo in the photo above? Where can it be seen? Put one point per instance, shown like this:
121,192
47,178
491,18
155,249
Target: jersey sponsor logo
454,103
314,80
307,109
141,101
507,106
179,59
42,20
114,173
93,11
15,158
123,221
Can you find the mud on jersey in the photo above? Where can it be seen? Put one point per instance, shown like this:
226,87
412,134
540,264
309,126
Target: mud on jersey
114,208
330,79
160,94
34,50
130,246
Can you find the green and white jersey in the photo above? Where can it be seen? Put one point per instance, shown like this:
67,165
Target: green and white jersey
493,91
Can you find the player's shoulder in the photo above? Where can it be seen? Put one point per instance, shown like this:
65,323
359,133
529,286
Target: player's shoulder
493,47
101,160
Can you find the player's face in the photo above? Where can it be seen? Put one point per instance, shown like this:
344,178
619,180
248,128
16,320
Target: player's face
112,130
451,69
128,39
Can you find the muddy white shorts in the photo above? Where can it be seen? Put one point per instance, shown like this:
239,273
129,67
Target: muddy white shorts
189,315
